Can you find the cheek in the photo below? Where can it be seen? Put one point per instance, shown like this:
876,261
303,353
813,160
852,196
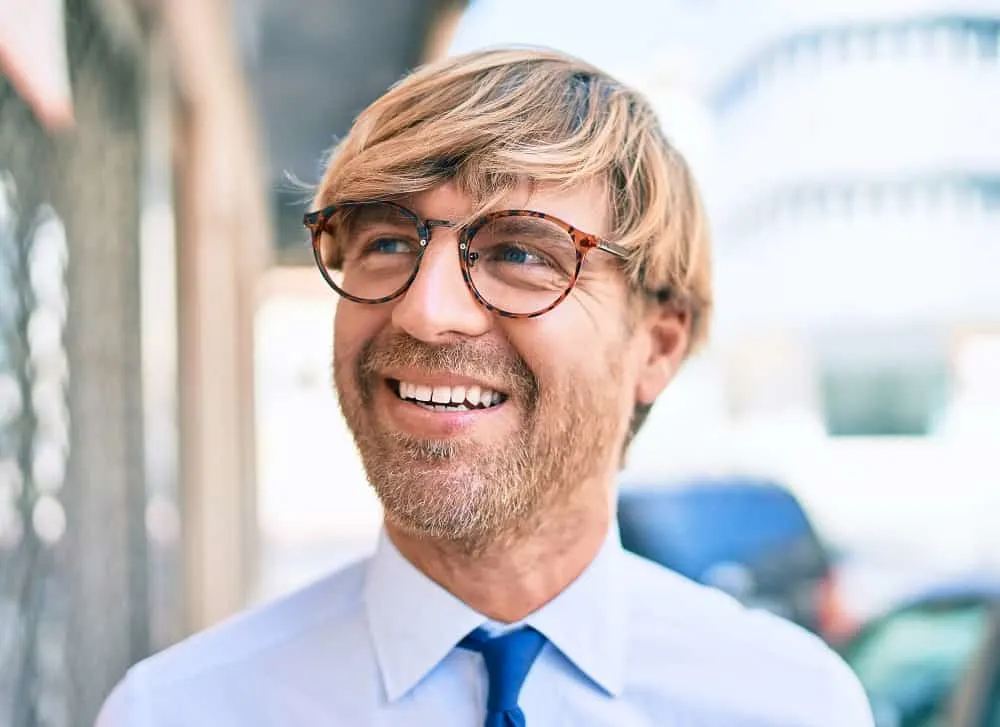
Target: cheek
575,356
353,326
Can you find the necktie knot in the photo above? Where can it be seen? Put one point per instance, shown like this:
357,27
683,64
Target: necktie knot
508,658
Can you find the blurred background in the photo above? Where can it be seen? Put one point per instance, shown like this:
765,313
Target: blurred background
170,445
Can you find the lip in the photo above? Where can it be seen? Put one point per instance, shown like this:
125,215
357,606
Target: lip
413,419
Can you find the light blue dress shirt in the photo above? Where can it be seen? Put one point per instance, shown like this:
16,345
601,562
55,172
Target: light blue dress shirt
629,644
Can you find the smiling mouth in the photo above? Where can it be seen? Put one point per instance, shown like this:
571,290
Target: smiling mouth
447,398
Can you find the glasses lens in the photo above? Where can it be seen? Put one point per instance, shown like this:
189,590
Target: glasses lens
522,265
370,250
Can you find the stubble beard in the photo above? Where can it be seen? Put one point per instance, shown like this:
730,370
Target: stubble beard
468,495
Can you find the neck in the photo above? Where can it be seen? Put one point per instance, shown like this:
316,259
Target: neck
513,576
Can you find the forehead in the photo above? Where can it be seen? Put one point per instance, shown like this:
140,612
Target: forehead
584,206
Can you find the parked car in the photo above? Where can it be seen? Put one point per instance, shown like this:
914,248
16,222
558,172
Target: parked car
748,537
934,660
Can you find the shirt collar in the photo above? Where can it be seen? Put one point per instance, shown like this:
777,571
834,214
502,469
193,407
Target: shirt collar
586,622
414,622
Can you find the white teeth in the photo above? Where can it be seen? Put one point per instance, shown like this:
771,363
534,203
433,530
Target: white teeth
454,396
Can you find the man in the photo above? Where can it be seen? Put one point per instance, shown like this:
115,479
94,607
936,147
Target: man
523,265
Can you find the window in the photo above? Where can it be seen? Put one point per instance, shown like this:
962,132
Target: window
881,381
903,398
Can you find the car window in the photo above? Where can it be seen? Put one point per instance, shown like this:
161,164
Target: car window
911,661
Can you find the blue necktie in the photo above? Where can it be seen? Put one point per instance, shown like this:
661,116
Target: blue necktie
508,659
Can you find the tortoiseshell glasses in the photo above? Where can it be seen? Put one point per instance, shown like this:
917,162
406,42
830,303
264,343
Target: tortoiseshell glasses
517,263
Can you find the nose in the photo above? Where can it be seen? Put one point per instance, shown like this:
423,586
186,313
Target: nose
438,307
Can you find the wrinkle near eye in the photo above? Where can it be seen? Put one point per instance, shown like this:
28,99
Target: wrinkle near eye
595,290
588,301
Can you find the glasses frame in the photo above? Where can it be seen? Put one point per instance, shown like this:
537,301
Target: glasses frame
583,241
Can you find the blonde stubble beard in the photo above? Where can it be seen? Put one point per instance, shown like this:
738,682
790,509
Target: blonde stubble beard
470,497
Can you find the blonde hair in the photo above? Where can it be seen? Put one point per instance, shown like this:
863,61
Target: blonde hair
490,120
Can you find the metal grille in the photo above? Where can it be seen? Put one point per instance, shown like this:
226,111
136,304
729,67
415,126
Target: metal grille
74,611
34,444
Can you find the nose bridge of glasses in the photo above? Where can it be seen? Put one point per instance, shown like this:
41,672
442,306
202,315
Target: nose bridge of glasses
430,224
440,223
429,259
437,296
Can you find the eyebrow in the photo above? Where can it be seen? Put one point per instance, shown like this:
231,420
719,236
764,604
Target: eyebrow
520,225
396,218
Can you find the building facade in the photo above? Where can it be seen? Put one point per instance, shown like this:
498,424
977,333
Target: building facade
856,202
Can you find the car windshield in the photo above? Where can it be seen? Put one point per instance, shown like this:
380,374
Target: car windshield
912,660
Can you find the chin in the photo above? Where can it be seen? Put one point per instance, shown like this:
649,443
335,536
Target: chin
454,502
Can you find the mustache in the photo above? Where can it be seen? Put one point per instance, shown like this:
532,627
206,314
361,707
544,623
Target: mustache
487,361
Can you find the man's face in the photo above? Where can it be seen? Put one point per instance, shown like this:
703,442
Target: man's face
546,400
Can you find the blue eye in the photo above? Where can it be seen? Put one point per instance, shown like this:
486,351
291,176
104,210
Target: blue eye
390,246
518,255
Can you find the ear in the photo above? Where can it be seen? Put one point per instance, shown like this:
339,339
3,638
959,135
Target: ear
667,332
